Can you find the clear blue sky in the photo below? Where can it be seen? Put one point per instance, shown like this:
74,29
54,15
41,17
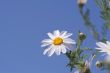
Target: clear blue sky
24,23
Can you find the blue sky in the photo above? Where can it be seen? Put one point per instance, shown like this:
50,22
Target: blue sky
24,23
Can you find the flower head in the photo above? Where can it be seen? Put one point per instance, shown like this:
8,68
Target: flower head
99,64
82,36
81,3
59,42
104,47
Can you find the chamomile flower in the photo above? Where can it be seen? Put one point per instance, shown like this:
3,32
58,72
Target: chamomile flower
104,47
59,42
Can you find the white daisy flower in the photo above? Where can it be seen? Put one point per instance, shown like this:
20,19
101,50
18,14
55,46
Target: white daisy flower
104,47
58,42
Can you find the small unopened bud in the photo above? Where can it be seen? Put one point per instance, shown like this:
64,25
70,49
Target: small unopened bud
81,3
82,36
98,64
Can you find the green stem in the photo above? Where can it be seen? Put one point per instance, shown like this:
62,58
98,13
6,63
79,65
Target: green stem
89,24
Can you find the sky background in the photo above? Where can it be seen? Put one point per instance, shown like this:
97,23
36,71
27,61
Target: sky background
24,24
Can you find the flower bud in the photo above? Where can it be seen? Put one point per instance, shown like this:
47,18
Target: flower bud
98,64
82,36
81,3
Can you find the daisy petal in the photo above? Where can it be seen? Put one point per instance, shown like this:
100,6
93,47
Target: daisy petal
45,44
77,71
47,41
58,50
69,41
68,35
64,50
103,45
51,51
63,33
69,47
99,48
56,33
102,49
46,50
50,35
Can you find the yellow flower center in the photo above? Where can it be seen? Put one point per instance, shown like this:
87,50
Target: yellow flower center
58,41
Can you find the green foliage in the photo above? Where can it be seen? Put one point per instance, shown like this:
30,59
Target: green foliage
77,57
89,24
104,6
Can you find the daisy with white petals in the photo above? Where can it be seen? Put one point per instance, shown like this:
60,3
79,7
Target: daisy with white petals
58,43
104,47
